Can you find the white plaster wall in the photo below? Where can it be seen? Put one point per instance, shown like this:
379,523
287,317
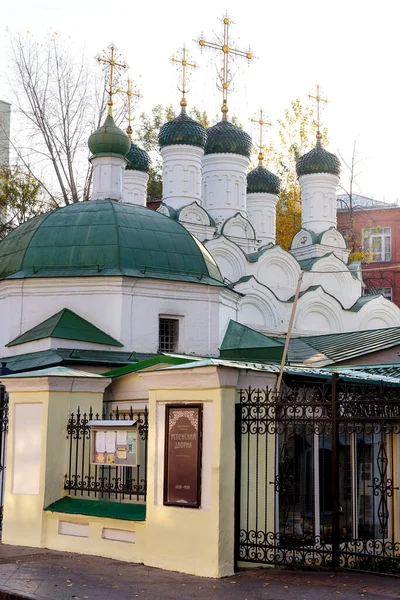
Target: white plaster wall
135,187
261,212
181,175
108,177
224,185
342,285
128,309
318,198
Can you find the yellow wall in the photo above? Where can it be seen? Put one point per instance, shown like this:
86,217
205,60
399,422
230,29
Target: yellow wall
197,541
95,544
23,522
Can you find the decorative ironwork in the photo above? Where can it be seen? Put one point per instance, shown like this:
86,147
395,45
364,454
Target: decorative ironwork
317,475
104,481
3,444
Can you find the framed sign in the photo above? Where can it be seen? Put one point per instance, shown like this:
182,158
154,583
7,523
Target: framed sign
182,468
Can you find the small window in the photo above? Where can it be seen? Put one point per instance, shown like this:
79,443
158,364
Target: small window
168,335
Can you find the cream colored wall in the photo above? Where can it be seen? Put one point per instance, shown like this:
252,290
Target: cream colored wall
23,522
94,544
198,541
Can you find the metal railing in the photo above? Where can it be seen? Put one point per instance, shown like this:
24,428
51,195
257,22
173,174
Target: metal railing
105,481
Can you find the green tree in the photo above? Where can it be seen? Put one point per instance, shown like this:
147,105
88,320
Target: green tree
21,198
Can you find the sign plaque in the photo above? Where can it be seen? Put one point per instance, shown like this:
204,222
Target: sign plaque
182,469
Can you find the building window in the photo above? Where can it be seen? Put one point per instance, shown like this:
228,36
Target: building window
168,337
377,242
386,292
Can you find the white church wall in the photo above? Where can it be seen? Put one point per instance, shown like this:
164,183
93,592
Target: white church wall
108,177
318,197
379,313
224,185
260,309
181,175
135,187
342,285
318,313
261,212
278,270
230,258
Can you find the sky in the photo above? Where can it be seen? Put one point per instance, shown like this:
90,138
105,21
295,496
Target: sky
350,47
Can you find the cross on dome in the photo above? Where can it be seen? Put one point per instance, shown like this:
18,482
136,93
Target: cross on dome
110,61
183,61
225,75
261,124
318,98
129,93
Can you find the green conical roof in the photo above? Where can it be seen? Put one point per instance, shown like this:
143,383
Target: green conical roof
138,159
318,160
262,181
105,238
66,325
182,130
224,137
109,140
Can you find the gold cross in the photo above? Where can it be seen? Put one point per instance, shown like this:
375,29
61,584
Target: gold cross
318,100
262,124
225,76
129,92
184,62
113,64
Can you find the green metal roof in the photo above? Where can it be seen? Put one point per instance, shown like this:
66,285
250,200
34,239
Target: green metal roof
138,159
66,325
318,160
64,356
109,140
387,370
362,301
241,342
224,137
262,181
182,130
106,238
147,364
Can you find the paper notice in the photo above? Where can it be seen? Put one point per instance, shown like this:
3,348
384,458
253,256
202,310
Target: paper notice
110,442
110,459
132,442
100,457
122,438
122,453
100,441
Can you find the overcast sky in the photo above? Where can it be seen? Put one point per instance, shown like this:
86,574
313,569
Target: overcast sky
350,46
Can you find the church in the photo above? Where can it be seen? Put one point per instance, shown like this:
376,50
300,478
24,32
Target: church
111,308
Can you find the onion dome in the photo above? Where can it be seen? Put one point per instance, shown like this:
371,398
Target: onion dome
318,160
226,138
182,130
105,238
109,140
138,159
262,181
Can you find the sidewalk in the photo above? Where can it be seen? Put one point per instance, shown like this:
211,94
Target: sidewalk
31,573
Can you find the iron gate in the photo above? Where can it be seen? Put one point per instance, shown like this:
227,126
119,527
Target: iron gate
318,475
3,442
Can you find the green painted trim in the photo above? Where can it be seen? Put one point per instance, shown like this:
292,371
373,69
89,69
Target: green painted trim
98,508
143,364
66,325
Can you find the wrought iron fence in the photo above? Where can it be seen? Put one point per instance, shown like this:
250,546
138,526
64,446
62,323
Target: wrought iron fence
318,473
3,445
105,481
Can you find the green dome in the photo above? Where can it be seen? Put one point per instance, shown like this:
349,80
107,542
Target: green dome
138,159
262,181
109,140
182,130
105,238
318,160
224,137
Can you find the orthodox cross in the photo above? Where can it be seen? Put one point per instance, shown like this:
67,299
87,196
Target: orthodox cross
262,124
129,92
318,100
184,62
225,76
111,60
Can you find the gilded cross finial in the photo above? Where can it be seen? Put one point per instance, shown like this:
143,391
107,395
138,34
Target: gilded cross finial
318,100
183,61
112,61
225,76
261,124
130,94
